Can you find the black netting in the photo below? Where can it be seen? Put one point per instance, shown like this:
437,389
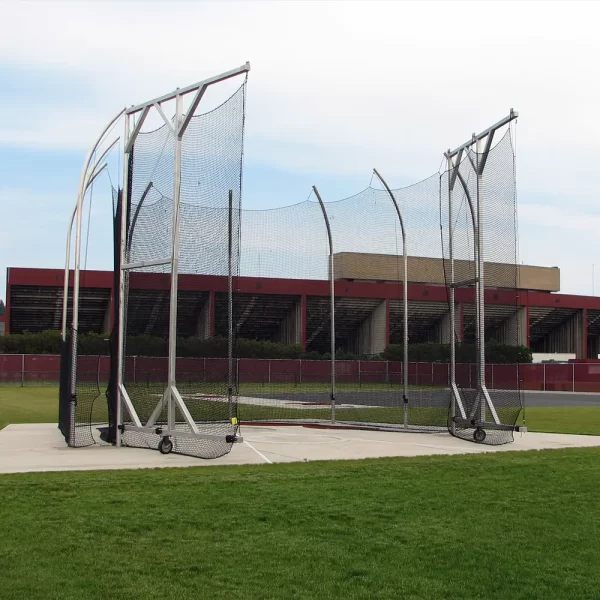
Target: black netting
82,406
209,235
65,391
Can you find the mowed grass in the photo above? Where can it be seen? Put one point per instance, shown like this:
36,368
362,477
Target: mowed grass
519,525
28,405
40,405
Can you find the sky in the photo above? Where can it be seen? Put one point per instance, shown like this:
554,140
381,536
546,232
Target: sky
335,89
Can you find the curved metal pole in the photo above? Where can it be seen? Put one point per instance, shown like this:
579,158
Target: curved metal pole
80,196
99,160
332,293
68,257
75,316
405,297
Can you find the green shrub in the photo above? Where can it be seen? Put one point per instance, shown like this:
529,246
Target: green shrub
48,342
465,353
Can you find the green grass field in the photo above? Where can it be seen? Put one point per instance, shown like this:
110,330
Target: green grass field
518,525
40,405
522,525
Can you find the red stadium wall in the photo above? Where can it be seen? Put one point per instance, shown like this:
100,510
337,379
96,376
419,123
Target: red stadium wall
31,369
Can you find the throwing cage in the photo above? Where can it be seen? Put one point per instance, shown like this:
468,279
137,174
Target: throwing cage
179,213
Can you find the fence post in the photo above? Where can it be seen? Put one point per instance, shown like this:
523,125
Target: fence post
431,374
134,370
359,375
269,370
300,374
387,371
573,365
493,377
22,370
544,365
448,375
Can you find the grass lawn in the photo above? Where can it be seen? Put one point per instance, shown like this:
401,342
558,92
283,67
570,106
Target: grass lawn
522,525
28,405
40,405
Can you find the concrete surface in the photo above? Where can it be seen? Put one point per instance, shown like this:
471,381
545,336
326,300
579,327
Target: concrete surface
41,447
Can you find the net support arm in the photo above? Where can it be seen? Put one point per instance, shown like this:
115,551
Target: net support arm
332,294
513,114
404,294
190,88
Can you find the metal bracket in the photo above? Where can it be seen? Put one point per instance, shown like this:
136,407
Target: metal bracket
138,126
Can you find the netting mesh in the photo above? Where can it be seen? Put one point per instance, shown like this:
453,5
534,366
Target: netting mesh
369,383
291,243
209,230
83,411
489,393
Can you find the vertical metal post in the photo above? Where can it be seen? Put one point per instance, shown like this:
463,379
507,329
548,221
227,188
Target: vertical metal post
22,370
450,165
66,282
544,370
122,275
332,295
404,298
481,287
230,302
174,265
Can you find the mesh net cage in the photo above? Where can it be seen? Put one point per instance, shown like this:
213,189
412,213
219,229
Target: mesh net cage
288,243
490,393
377,388
82,406
292,243
209,233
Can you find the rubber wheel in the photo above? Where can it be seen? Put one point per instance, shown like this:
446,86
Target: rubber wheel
165,446
479,435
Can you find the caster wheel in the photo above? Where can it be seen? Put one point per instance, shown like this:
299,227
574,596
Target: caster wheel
165,446
479,435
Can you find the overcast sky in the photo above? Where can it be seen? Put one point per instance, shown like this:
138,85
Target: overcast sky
336,88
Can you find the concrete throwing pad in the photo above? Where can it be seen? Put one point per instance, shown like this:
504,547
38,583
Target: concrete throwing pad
41,447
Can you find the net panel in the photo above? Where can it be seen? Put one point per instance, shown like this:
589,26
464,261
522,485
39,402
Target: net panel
501,310
209,231
286,243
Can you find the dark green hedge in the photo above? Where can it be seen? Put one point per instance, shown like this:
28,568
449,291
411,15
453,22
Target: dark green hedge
465,353
48,342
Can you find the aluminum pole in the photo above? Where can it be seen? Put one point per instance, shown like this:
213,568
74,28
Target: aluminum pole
91,179
332,294
230,302
122,275
66,282
450,166
481,288
174,266
404,297
79,215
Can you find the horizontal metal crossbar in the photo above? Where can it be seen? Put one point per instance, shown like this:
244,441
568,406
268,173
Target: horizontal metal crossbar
488,425
146,263
513,115
190,88
177,433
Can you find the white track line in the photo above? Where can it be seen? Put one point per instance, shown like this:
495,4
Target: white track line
258,452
